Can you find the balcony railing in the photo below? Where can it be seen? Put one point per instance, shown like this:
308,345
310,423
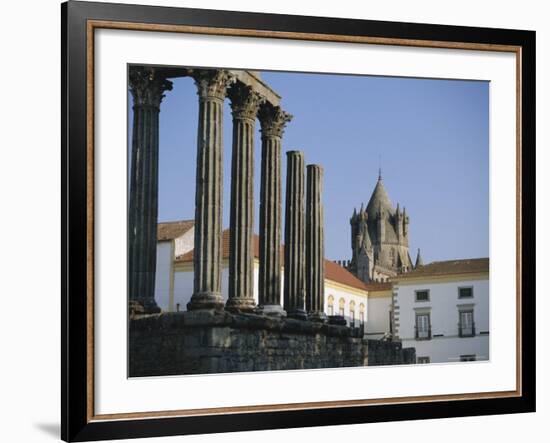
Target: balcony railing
423,333
466,330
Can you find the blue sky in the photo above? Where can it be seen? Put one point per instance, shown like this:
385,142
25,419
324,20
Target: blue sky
431,138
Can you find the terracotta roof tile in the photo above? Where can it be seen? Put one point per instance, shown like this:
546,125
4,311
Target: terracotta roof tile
337,273
333,271
449,267
172,230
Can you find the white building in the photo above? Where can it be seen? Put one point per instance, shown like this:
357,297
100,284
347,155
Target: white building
379,320
442,310
345,294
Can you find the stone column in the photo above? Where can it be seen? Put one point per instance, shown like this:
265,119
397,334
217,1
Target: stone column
147,87
294,274
212,89
315,254
245,104
273,120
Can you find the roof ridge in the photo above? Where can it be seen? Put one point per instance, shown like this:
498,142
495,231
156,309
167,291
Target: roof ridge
456,259
187,220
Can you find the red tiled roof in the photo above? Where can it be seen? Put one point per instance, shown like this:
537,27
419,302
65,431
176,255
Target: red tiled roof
337,273
449,267
333,271
172,230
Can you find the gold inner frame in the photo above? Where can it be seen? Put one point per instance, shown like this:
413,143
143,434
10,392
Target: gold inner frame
97,24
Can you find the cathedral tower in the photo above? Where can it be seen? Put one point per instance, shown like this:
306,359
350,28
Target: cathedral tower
379,238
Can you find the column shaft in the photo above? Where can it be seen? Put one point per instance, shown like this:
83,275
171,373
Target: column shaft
212,86
245,104
272,120
147,88
315,254
294,267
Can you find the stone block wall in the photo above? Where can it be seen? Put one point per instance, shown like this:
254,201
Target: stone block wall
389,353
202,342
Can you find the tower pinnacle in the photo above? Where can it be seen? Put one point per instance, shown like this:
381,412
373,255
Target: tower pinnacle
419,261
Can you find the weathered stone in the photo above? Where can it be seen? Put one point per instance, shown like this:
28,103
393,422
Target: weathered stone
337,320
315,240
272,120
379,238
234,343
245,104
147,88
212,88
294,270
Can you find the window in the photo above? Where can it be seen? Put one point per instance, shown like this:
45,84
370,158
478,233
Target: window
341,307
423,327
330,305
362,315
466,327
391,322
469,357
423,295
423,360
352,314
465,292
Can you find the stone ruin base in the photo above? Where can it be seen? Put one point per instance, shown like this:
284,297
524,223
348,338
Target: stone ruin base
206,342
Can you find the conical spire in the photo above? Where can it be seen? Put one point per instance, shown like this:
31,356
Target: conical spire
379,201
419,261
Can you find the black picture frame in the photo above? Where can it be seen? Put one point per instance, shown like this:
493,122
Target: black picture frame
76,422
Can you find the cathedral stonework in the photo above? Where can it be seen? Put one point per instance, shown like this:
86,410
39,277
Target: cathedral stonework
379,238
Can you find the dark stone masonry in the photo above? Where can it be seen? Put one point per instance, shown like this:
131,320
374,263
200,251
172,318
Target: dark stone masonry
206,342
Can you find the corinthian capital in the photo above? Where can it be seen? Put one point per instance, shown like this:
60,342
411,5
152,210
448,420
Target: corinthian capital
273,120
212,83
147,86
244,101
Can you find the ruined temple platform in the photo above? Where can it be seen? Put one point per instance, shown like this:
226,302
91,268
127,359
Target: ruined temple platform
208,341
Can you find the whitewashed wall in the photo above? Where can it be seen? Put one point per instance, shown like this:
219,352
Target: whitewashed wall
449,349
378,320
444,306
183,284
339,292
162,277
185,242
183,290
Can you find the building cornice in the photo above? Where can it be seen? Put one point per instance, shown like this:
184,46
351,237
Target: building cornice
381,294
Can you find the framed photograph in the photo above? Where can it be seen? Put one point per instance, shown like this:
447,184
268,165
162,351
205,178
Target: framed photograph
276,221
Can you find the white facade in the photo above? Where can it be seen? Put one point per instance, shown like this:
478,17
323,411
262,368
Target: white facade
351,303
163,275
184,243
174,284
183,285
379,314
446,318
